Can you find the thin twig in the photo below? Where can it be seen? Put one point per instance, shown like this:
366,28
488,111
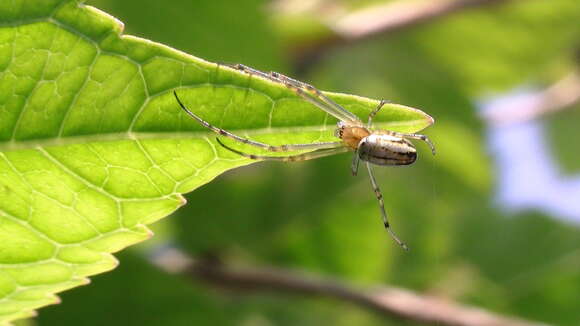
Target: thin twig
392,16
379,20
561,95
390,301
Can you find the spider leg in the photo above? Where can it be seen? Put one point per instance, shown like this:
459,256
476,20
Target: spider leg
315,93
375,111
400,134
379,195
419,137
248,70
354,165
293,158
271,148
305,91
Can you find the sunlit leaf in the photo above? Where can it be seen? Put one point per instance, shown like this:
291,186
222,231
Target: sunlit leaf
93,145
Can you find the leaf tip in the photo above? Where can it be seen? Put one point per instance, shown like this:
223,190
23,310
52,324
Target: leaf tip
430,119
182,200
114,264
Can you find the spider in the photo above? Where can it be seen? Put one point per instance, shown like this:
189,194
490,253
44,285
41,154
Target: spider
378,147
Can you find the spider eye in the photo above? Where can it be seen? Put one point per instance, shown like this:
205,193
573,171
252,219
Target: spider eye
339,129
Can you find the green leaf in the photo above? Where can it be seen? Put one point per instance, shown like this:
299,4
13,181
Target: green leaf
93,145
138,286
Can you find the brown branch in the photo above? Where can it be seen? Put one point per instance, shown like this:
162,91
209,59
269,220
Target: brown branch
393,16
390,301
381,20
562,95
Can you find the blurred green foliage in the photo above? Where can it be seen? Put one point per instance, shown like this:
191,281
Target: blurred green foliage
563,130
315,216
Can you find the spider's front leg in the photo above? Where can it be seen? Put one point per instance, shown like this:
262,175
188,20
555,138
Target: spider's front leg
375,111
271,148
321,152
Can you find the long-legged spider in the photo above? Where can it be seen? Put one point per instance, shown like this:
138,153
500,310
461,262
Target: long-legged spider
379,147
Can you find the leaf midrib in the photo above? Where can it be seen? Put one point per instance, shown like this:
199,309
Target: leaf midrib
14,145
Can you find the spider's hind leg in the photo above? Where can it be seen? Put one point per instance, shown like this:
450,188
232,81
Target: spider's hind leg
379,196
420,137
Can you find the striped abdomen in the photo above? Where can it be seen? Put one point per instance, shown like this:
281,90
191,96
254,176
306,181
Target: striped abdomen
386,149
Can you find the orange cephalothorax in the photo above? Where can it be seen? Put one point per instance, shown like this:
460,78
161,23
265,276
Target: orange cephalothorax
352,136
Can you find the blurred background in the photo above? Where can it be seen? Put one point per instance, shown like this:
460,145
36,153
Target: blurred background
492,221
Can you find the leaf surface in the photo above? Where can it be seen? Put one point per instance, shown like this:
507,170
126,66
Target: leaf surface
93,145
